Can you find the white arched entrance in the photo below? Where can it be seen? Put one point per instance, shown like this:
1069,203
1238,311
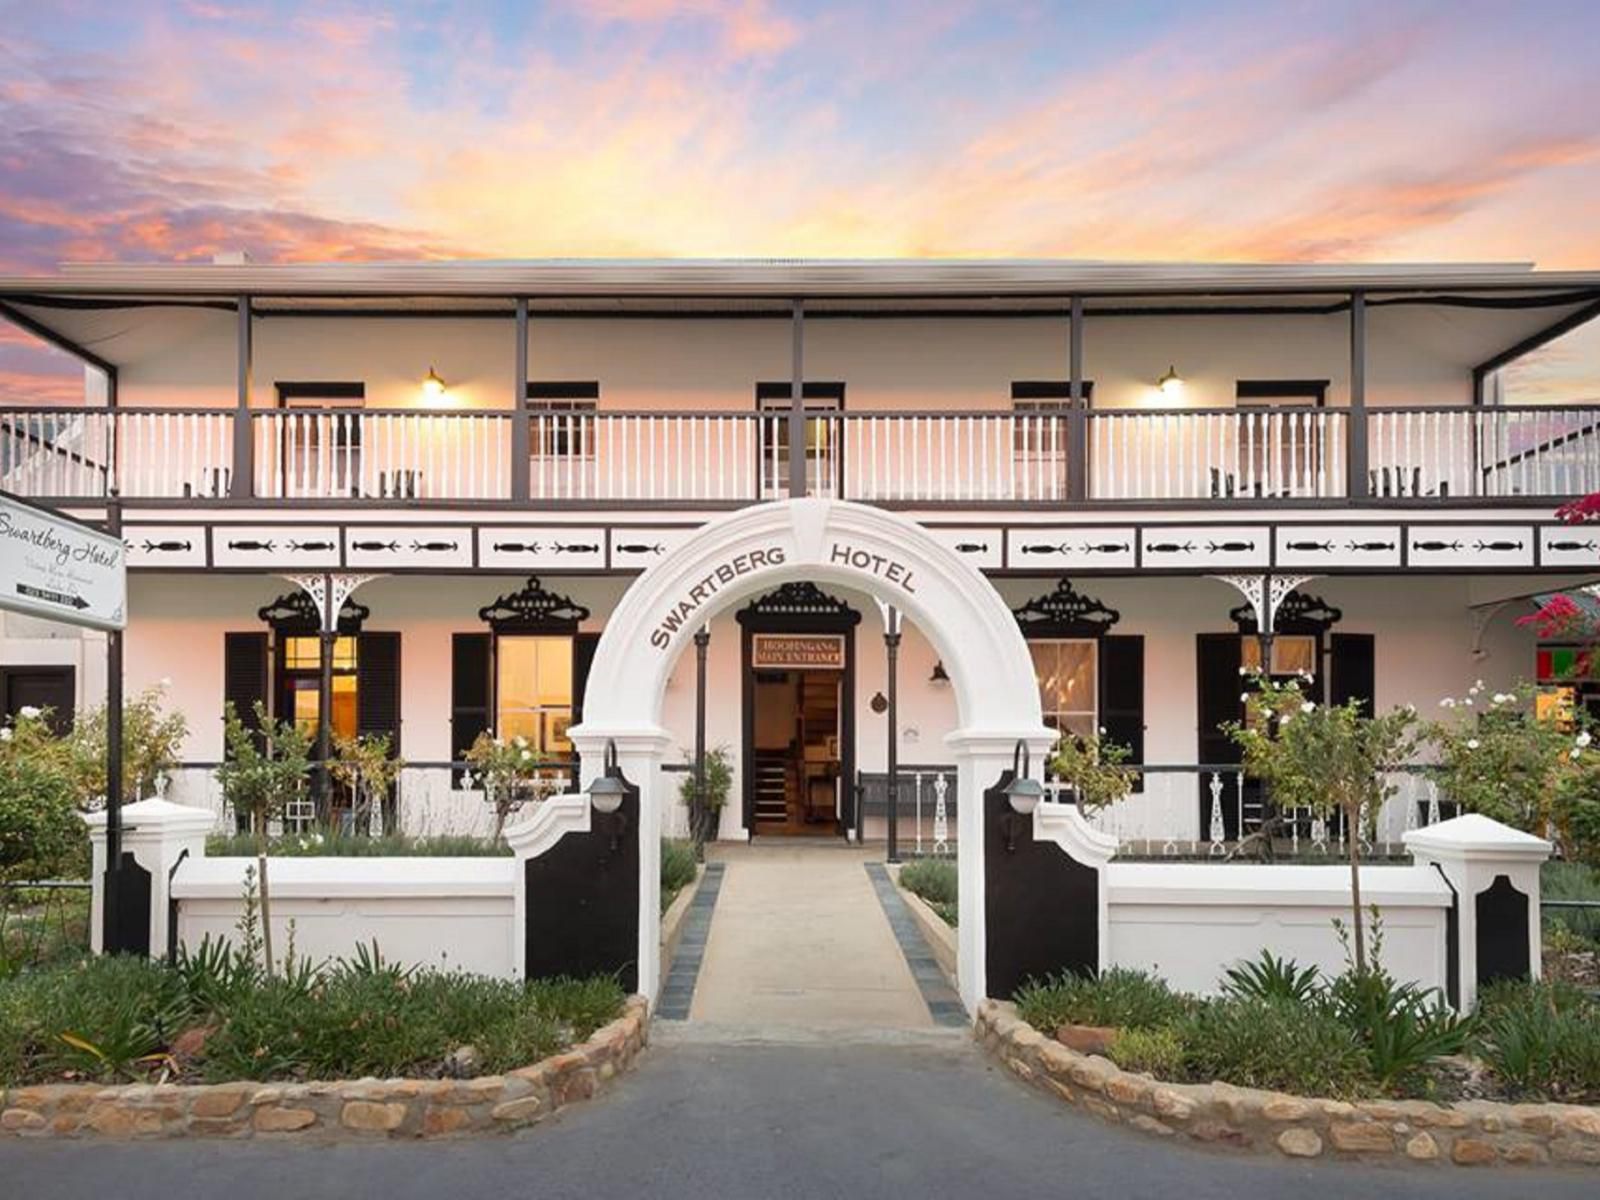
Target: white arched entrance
828,541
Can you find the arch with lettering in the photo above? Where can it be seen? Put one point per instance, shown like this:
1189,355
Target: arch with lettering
754,550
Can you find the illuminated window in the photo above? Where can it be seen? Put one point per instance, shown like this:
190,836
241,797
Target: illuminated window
1069,687
533,693
305,654
1292,654
302,672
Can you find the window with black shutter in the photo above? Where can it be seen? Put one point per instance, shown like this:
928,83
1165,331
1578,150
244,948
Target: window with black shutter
378,687
1354,670
245,675
1122,695
469,692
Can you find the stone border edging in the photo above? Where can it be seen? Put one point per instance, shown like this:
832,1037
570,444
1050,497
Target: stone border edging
941,938
393,1108
1472,1133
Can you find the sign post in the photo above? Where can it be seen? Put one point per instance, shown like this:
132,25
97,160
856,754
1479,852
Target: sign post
55,567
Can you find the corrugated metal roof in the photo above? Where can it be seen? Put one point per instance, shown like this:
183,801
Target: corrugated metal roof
778,277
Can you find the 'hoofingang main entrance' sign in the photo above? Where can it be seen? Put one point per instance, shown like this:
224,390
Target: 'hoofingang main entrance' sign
797,651
51,566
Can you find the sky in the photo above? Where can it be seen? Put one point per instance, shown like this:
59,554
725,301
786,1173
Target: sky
1388,131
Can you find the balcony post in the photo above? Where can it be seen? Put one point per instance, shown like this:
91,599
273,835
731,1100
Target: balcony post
242,486
521,417
1077,411
797,405
1356,430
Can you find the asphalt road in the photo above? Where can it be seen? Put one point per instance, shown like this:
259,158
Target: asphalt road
890,1121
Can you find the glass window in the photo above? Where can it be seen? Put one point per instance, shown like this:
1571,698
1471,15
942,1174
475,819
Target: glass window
534,691
1292,654
305,654
1069,686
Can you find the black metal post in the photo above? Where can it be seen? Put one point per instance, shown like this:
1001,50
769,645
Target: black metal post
1077,411
1356,450
111,933
797,405
521,417
700,815
891,644
322,783
242,485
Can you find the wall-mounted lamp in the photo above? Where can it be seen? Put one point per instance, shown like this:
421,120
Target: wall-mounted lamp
1170,384
433,385
606,793
940,677
1022,792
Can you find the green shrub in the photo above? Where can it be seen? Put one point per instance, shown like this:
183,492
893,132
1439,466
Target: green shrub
1271,978
677,869
1279,1045
935,881
113,1018
1158,1052
1119,996
1541,1040
1401,1028
1572,881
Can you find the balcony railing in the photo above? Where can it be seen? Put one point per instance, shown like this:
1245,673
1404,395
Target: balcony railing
701,458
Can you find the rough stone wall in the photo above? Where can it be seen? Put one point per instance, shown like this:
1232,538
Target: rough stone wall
1474,1133
393,1108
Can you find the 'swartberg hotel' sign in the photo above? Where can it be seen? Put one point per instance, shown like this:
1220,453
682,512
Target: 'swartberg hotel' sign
681,614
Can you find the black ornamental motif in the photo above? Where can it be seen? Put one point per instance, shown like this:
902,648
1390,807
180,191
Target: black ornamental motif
1298,613
295,613
533,610
1063,613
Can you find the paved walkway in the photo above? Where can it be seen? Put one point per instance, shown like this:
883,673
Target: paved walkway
764,1122
799,939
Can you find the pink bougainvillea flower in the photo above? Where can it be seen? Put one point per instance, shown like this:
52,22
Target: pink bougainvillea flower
1584,508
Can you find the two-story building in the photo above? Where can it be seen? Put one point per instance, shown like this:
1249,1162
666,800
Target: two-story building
1148,461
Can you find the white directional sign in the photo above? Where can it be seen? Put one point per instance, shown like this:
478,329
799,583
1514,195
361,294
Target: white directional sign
52,566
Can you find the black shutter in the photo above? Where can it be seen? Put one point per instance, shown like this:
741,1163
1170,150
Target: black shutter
1218,658
583,647
1122,694
244,674
378,686
1355,670
469,691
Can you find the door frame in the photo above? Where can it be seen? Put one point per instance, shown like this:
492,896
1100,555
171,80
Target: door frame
753,620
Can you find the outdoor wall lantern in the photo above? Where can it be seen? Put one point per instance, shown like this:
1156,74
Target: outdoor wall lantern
606,791
1170,384
433,385
940,677
1023,793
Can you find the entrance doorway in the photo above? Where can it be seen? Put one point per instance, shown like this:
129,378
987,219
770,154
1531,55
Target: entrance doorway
795,755
799,713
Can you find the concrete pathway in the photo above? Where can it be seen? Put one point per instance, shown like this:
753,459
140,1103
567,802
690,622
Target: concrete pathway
764,1122
799,940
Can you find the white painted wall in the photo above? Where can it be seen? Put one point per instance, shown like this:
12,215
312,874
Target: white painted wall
1417,355
1422,626
28,641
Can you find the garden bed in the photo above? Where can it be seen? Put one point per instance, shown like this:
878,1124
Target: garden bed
123,1046
1285,1058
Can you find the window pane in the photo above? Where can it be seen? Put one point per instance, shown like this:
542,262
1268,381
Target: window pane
556,723
1045,658
344,705
518,724
517,663
555,671
1292,655
1077,688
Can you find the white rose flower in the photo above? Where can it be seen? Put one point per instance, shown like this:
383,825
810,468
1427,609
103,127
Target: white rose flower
1447,702
164,682
28,711
1574,752
1308,706
5,734
1472,743
1287,717
526,755
1468,702
1584,738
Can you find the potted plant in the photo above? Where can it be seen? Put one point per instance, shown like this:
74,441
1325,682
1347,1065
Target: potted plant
705,803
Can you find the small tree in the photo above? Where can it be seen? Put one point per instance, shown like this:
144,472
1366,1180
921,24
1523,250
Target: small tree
507,771
1328,759
367,766
41,833
263,772
152,743
706,806
1093,768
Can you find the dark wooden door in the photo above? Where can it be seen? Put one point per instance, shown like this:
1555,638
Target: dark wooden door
1217,662
52,688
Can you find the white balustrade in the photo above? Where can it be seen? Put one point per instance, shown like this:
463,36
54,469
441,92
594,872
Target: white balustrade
1211,454
382,455
55,452
937,457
